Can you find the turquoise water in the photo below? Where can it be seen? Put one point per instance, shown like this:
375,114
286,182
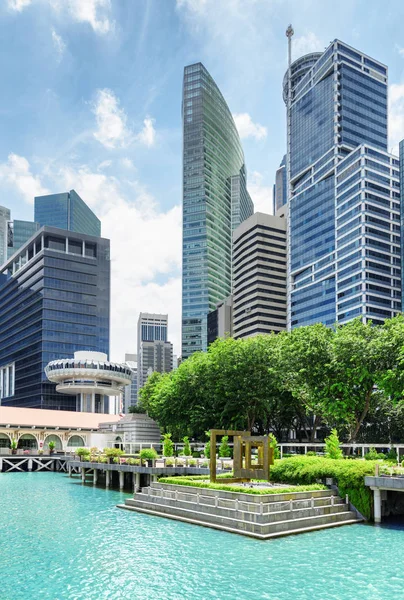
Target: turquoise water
61,540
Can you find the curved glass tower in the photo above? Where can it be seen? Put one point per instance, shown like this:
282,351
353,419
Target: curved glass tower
215,201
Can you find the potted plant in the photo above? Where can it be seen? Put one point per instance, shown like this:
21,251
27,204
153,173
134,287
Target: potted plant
187,447
51,447
148,455
112,453
83,453
13,445
169,462
192,462
168,445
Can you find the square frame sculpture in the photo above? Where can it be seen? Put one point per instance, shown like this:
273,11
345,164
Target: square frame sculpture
242,459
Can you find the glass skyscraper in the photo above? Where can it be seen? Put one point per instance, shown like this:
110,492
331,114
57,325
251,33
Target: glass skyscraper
280,187
343,190
54,301
215,201
19,232
66,211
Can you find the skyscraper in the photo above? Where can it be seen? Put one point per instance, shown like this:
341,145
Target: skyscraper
259,264
19,232
4,219
343,190
130,395
280,187
66,211
215,201
154,352
54,301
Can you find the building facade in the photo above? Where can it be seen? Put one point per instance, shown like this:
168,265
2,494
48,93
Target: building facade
343,190
280,187
4,220
130,394
66,211
215,200
54,301
19,232
220,320
259,293
154,353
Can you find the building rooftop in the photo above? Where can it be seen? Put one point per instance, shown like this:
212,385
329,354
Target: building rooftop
62,419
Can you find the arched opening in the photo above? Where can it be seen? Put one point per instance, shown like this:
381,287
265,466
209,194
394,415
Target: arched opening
53,438
27,442
76,441
4,440
118,442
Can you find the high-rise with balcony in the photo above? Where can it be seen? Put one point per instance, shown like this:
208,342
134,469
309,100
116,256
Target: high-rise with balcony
215,201
66,211
343,190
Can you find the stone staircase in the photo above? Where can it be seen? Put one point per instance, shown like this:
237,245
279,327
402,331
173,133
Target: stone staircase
259,516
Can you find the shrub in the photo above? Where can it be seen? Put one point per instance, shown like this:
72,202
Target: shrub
273,443
349,475
187,448
168,446
133,461
207,445
332,448
192,462
148,454
193,482
309,453
372,454
169,462
224,448
196,454
205,464
83,452
392,454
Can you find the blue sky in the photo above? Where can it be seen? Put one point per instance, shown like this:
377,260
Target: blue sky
91,100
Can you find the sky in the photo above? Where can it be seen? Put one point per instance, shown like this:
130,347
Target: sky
91,99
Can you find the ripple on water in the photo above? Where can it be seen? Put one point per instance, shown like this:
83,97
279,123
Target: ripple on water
60,540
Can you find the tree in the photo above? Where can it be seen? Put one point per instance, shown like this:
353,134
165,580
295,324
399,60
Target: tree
332,448
136,409
168,446
187,447
224,448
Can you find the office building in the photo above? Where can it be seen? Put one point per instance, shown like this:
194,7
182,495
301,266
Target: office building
280,187
66,211
154,352
220,320
54,301
259,264
4,219
18,233
343,190
215,200
130,394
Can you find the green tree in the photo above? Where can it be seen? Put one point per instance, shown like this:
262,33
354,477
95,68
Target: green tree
332,447
187,448
206,450
135,409
224,448
168,446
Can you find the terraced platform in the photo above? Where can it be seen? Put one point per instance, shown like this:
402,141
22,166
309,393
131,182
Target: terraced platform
258,516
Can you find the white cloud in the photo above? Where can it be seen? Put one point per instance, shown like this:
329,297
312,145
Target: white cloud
260,193
145,253
127,163
59,44
93,12
148,134
17,172
18,5
111,120
400,50
105,164
304,44
247,128
396,116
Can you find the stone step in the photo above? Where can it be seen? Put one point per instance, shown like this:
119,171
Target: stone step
238,523
348,518
240,513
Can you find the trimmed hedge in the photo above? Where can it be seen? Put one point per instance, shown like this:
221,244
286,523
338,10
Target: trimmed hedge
194,482
349,475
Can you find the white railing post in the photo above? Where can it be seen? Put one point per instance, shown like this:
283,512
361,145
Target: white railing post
312,502
291,504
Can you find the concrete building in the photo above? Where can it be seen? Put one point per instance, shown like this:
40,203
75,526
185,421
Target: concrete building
215,200
91,378
66,211
155,353
130,393
259,265
4,220
54,301
220,321
343,190
132,432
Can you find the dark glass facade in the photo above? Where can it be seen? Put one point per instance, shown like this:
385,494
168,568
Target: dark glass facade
54,300
215,201
340,175
19,232
280,187
66,211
